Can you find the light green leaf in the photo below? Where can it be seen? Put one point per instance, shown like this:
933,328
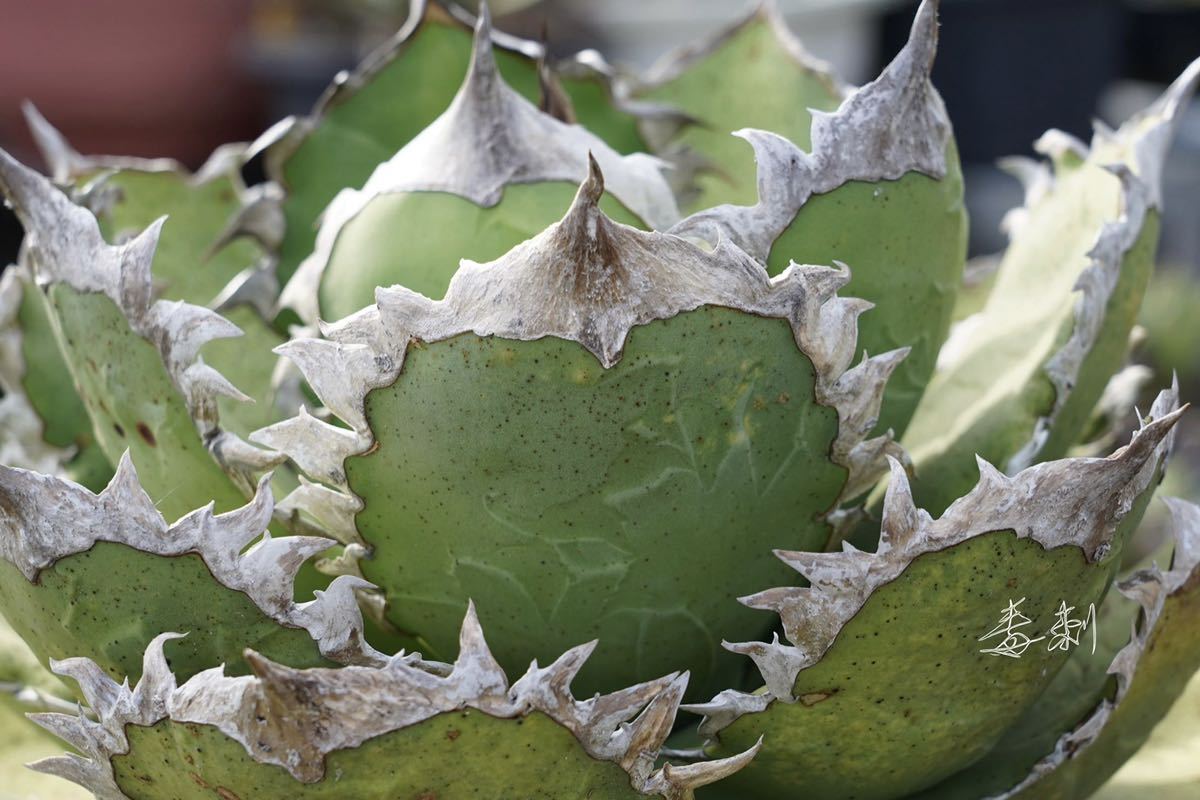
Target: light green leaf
1017,382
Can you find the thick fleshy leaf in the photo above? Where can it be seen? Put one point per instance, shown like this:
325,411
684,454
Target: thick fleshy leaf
216,235
1017,382
853,190
755,74
515,169
1151,671
133,404
1090,682
445,730
33,373
368,115
105,574
186,268
896,674
135,360
666,411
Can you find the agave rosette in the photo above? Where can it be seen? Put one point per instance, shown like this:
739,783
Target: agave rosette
493,368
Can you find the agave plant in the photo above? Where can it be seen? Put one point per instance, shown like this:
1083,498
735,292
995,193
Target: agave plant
513,375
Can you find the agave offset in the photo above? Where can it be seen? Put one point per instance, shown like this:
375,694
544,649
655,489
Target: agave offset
519,381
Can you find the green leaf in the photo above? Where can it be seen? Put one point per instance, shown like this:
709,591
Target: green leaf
193,263
646,410
895,264
388,242
187,265
1076,689
890,207
105,574
51,392
364,119
1151,671
1017,382
456,754
753,75
131,596
515,168
134,406
907,684
886,687
134,360
594,494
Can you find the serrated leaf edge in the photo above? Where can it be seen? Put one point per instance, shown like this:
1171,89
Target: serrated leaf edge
259,216
1148,134
589,280
1150,588
1076,502
494,137
675,63
894,125
44,519
64,245
293,718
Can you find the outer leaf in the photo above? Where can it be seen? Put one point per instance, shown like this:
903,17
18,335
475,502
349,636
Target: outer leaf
883,160
515,168
134,359
323,733
1017,382
581,88
600,488
720,83
217,230
1151,672
59,543
1051,534
1082,687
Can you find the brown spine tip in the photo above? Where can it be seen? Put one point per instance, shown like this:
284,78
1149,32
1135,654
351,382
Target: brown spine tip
553,100
587,242
592,188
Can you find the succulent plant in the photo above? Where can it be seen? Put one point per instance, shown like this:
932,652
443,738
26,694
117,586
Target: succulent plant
491,378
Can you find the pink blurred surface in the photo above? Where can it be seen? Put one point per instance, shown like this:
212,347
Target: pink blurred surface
128,77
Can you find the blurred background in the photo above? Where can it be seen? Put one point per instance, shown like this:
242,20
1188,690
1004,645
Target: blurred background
152,78
142,77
